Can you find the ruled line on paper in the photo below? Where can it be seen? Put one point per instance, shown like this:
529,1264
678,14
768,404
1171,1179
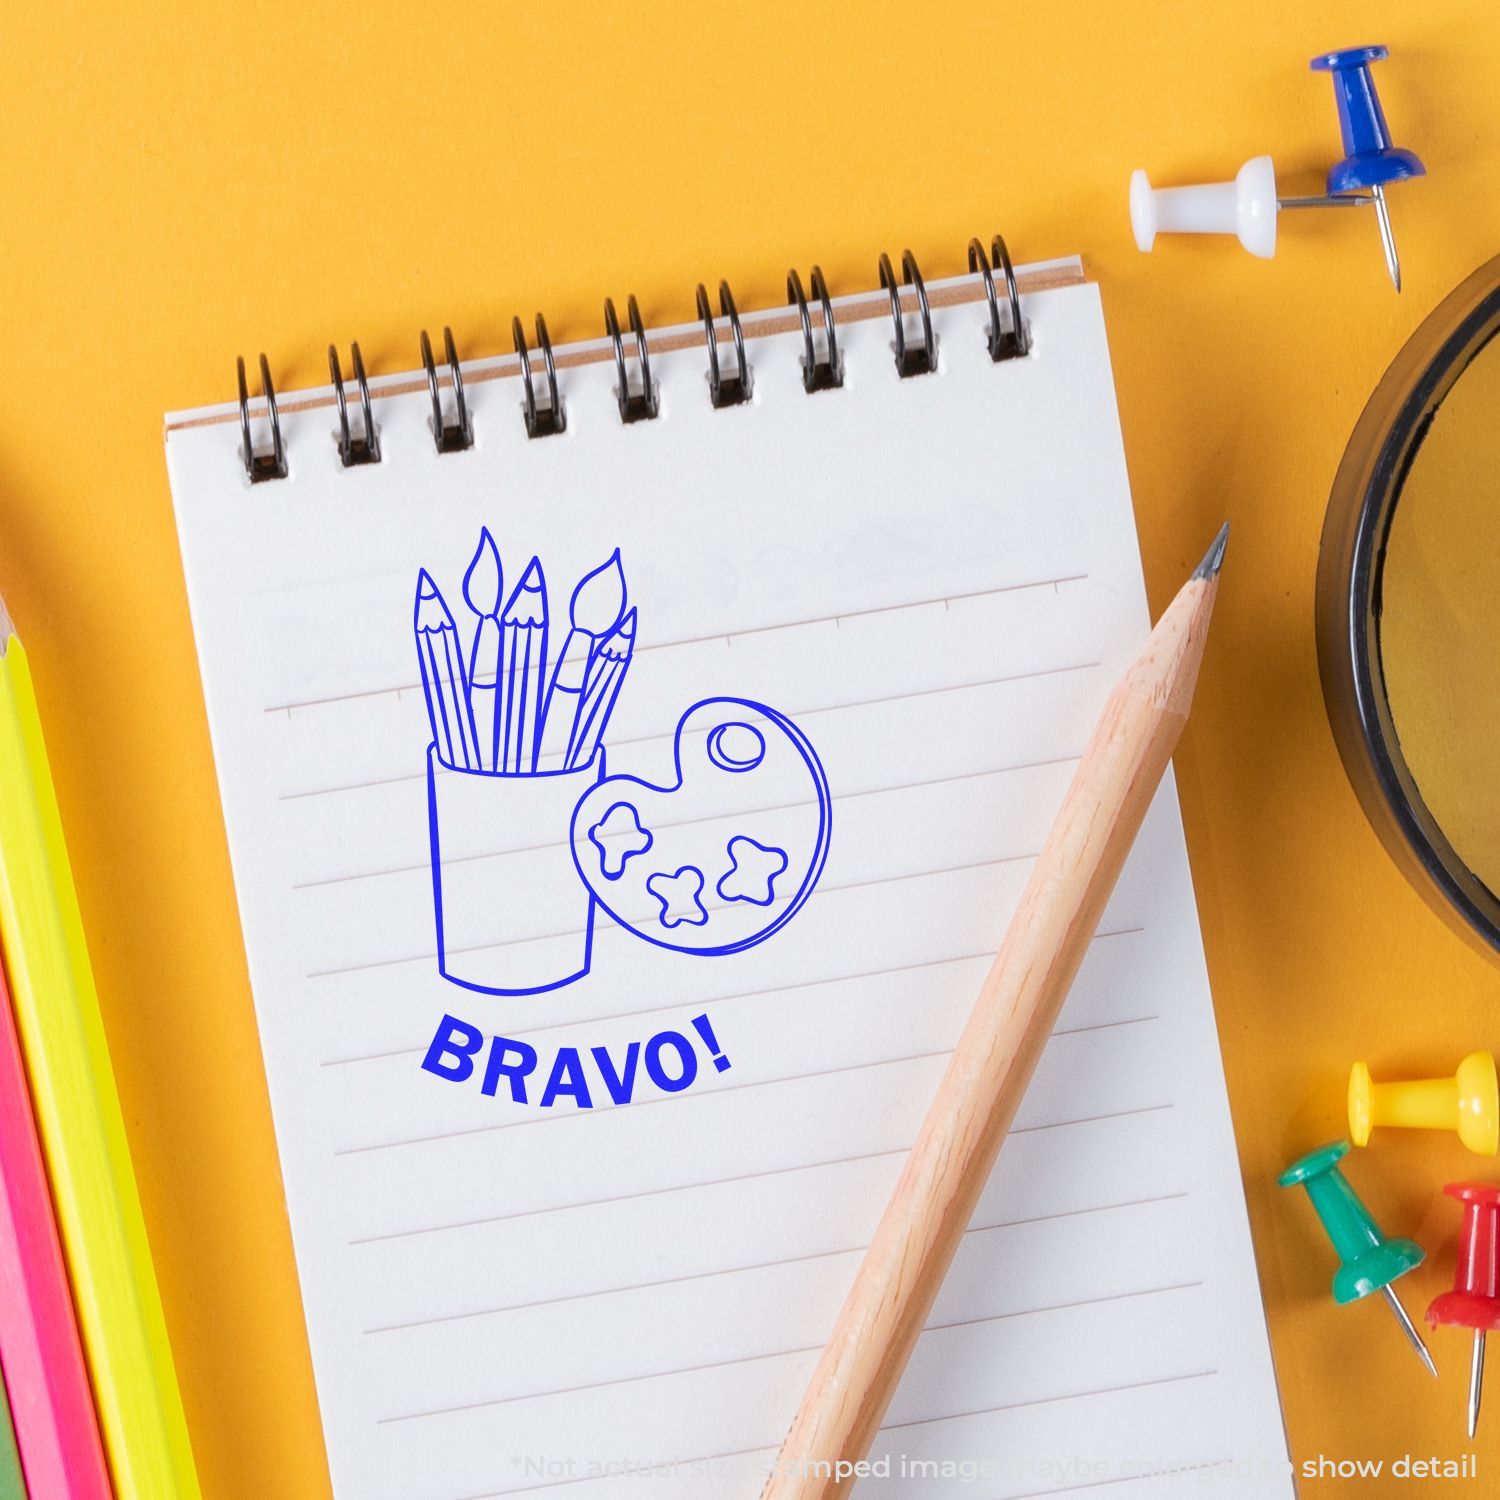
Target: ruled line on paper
1109,1390
660,1192
659,824
677,1006
765,1265
756,994
799,714
679,1187
726,636
771,1449
1062,1489
750,1359
538,937
727,1088
1099,1484
580,1114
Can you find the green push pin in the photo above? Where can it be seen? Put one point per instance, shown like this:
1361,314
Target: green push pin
1370,1262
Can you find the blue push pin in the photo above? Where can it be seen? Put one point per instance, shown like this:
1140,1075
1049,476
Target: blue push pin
1370,160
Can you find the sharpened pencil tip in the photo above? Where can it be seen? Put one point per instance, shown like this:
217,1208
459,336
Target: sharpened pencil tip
528,604
1213,559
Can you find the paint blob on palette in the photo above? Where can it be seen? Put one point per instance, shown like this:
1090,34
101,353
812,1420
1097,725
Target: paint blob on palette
722,852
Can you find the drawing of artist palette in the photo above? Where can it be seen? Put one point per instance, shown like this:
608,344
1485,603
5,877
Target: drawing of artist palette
727,851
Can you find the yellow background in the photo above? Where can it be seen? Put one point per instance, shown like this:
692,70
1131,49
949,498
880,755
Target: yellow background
179,184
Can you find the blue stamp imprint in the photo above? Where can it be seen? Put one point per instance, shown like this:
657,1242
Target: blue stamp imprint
619,837
679,896
723,752
752,872
529,836
601,1075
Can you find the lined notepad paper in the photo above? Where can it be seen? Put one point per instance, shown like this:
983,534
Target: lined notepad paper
937,578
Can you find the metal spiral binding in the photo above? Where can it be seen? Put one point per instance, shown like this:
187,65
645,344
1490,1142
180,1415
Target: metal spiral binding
1005,343
724,390
826,374
259,466
458,435
920,359
730,384
635,406
546,420
364,449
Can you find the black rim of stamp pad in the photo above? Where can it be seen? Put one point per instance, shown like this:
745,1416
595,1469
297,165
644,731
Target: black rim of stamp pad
1351,563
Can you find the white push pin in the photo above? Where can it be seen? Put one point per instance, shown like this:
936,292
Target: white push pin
1245,208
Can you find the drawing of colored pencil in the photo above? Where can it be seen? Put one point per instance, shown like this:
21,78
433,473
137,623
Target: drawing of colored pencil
601,688
51,1406
78,1114
523,629
597,604
483,591
443,679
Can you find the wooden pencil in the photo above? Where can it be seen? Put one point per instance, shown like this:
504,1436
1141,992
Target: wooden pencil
78,1115
1017,1008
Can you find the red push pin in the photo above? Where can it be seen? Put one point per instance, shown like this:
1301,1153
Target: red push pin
1474,1301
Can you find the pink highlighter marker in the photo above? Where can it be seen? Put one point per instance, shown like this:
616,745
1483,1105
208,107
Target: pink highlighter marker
45,1376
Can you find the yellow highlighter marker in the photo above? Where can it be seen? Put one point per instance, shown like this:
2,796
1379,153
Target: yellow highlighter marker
78,1115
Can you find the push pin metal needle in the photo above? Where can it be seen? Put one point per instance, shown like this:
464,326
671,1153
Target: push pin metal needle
1474,1301
1369,1262
1370,160
1248,206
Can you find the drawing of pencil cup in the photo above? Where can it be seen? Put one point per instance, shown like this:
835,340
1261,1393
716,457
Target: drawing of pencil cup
513,915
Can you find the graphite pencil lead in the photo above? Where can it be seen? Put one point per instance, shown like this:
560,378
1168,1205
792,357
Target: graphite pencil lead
1213,559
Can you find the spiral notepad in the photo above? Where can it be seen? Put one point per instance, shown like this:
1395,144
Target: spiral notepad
631,752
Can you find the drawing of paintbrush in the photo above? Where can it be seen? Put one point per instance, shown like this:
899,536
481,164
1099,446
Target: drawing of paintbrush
483,585
595,609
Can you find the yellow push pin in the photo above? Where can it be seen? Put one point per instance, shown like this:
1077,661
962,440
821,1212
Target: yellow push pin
1469,1103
